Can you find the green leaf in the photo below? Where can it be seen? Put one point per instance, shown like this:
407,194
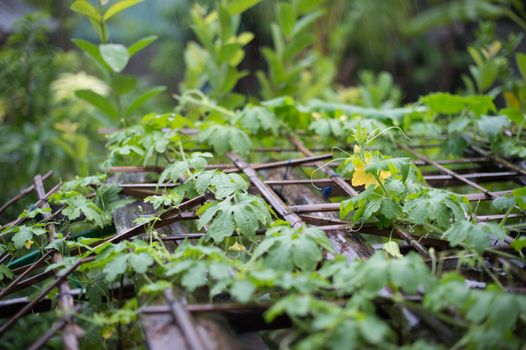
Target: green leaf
221,227
293,305
263,247
179,267
373,329
346,207
306,6
286,17
492,126
122,84
446,103
195,278
140,262
227,184
434,206
399,165
513,114
5,272
118,7
226,138
520,58
202,181
409,273
458,125
258,119
174,171
474,236
306,253
91,50
116,267
503,203
326,127
24,234
98,101
85,8
236,7
141,44
155,288
504,311
389,208
241,211
172,199
139,101
77,204
520,197
364,205
115,55
487,75
518,243
231,53
242,291
286,248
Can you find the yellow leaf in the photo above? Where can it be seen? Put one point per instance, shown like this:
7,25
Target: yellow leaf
360,177
511,100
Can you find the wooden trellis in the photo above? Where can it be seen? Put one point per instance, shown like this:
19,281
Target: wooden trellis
296,199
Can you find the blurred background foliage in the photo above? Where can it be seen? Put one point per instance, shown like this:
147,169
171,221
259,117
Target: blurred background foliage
413,46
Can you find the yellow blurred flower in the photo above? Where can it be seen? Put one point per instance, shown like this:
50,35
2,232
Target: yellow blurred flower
67,127
357,149
67,83
28,243
107,332
237,247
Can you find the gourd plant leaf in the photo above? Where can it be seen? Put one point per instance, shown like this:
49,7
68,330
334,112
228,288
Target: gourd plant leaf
220,184
226,138
492,126
174,171
399,165
446,103
326,127
286,248
23,236
477,236
240,212
434,206
258,119
519,194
